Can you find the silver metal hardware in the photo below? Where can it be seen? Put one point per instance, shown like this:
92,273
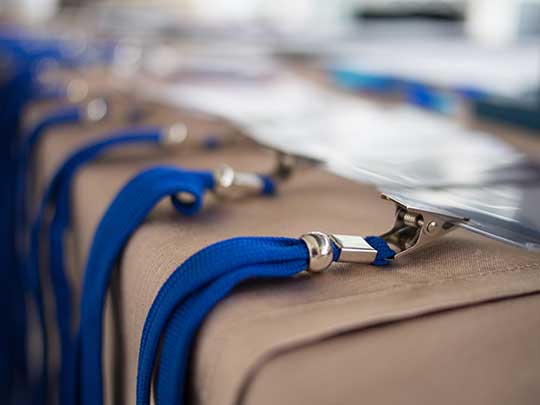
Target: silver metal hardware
287,164
320,251
354,249
232,184
176,134
413,228
416,227
96,109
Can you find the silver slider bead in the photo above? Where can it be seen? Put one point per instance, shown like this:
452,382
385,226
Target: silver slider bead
96,109
321,253
175,135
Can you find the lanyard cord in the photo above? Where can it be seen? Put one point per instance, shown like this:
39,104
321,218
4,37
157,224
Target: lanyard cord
201,280
123,217
198,277
31,279
63,116
15,93
58,193
197,286
13,371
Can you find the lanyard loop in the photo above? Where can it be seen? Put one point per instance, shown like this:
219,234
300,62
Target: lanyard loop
64,116
242,257
123,217
20,88
199,284
58,194
192,290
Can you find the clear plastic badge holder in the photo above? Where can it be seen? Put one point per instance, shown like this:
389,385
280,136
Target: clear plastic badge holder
424,160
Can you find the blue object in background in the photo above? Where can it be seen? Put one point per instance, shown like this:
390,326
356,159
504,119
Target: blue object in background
430,98
364,81
417,93
22,57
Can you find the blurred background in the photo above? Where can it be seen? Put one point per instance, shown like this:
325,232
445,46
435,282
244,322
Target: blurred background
494,22
472,48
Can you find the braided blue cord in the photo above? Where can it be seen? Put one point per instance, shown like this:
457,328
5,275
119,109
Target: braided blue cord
127,211
196,272
124,215
58,193
241,258
196,287
384,252
64,116
16,92
269,187
193,289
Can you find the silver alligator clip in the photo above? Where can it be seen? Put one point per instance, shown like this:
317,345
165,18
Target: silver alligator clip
416,227
288,163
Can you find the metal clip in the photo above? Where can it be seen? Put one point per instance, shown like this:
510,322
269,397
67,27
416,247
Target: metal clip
353,249
414,227
232,184
288,163
285,165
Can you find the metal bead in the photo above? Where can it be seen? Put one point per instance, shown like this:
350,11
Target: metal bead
96,109
224,178
176,134
321,254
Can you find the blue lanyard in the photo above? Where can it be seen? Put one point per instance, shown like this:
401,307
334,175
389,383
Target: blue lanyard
63,116
191,291
15,93
197,286
31,279
123,217
58,194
